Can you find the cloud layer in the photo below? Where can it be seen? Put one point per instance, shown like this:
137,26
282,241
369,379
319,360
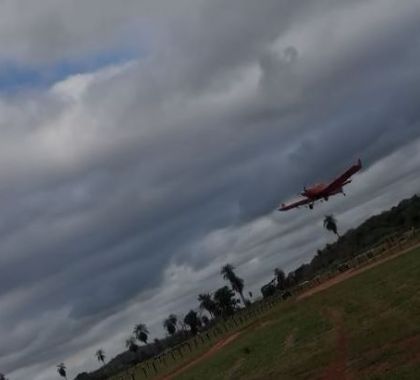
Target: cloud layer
124,186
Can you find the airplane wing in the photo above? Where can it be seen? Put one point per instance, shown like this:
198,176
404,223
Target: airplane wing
302,202
342,179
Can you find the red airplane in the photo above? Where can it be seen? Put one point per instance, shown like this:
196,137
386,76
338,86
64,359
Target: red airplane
323,191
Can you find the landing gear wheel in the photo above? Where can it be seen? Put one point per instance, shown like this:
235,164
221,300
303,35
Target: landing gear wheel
311,207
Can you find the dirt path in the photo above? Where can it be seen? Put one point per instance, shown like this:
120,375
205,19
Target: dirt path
337,370
351,273
213,350
289,341
217,347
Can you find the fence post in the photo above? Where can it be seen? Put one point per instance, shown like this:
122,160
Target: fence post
180,352
145,372
154,367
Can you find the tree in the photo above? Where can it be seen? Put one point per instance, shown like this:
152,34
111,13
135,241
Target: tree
3,377
170,324
268,290
141,332
173,318
62,370
236,283
204,319
192,320
290,280
100,355
330,224
280,278
181,325
130,343
207,303
225,300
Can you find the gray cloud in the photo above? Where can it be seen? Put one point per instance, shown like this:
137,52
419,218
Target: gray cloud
124,188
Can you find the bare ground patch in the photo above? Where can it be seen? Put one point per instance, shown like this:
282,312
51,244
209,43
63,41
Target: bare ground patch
338,370
289,342
217,347
213,350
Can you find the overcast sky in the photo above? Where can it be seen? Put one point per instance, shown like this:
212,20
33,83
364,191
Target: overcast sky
144,144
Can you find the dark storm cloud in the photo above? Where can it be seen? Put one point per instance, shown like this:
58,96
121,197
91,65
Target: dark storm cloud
124,188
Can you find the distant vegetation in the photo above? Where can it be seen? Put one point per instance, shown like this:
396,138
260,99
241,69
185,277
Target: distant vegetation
61,369
330,224
100,355
223,303
370,233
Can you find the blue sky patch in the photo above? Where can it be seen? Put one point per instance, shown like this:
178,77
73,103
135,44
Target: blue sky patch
14,77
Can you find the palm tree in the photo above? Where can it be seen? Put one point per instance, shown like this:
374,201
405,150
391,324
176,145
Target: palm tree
61,369
100,355
141,332
236,282
170,324
207,303
173,318
330,224
192,320
130,343
225,301
280,277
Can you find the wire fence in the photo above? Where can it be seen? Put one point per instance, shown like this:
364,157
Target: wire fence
177,356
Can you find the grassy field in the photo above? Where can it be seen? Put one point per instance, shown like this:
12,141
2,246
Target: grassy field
367,327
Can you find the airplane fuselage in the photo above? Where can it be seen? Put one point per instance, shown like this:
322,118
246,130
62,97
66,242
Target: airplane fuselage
314,191
318,191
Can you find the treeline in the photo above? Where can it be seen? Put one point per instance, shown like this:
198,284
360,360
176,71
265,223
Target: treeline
372,232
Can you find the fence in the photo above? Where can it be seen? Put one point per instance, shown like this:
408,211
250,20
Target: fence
171,359
390,245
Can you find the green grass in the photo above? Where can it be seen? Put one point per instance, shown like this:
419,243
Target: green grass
380,318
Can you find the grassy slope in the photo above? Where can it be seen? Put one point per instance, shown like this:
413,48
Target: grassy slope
379,316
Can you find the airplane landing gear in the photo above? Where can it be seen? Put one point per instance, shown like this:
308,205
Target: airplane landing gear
311,206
